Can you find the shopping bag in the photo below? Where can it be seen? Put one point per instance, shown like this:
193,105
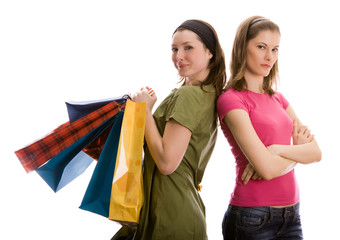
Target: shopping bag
97,195
79,109
39,152
127,185
71,162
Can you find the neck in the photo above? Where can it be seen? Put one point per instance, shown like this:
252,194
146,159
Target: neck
254,83
196,79
189,82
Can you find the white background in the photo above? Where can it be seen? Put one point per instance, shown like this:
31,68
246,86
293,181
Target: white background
55,51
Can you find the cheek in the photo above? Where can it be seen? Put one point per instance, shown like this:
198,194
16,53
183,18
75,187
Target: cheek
275,59
173,58
250,62
251,58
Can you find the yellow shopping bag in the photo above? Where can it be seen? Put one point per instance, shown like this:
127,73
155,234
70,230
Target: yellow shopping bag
127,185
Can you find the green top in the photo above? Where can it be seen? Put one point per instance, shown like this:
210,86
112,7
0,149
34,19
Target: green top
173,208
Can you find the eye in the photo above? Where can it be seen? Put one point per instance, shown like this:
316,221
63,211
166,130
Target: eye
174,49
188,47
275,50
261,47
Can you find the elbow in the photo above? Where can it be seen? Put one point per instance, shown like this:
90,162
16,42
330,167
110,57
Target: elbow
315,155
166,166
316,152
268,176
318,155
271,173
166,169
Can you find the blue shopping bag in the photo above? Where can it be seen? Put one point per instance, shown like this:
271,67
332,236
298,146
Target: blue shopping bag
77,110
71,162
98,193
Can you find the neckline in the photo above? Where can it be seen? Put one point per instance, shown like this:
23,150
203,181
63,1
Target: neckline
249,91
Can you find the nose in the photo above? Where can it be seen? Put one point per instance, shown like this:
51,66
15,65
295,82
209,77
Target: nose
179,55
269,55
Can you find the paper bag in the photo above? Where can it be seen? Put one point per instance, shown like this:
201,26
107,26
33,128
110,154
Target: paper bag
127,185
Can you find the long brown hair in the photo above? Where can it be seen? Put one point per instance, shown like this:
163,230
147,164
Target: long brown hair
248,30
217,76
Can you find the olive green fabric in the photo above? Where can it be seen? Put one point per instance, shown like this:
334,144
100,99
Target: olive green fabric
173,208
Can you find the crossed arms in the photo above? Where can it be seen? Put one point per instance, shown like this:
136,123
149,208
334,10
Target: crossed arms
276,160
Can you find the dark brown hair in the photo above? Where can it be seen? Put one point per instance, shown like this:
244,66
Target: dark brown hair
217,70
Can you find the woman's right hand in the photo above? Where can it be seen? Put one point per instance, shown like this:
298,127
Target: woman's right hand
250,173
146,94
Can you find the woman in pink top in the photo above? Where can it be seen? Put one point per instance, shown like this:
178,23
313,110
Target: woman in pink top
259,124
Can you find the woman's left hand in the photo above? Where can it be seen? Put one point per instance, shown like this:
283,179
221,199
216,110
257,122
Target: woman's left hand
146,94
301,133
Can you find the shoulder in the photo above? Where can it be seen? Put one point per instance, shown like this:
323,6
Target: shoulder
231,99
195,90
231,96
189,105
195,94
281,99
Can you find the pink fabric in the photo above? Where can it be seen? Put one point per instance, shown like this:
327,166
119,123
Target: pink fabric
273,126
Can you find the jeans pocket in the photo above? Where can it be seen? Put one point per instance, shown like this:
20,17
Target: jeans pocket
251,222
297,218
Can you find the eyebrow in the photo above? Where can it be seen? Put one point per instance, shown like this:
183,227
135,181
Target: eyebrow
267,44
188,42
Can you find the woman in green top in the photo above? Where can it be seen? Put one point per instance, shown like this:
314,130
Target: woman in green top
180,138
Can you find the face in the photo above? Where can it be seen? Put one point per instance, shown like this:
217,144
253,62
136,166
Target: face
190,56
262,53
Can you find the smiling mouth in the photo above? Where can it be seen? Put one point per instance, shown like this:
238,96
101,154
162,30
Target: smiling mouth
266,65
181,66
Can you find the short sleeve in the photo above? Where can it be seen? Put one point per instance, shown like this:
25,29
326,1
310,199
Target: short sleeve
282,100
185,106
228,101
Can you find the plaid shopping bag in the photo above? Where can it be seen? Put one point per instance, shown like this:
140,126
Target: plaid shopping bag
39,152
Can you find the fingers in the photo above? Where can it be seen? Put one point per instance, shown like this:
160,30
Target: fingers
146,94
151,92
248,173
256,176
295,127
147,90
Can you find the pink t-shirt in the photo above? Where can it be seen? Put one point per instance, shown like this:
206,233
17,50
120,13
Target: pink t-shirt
273,126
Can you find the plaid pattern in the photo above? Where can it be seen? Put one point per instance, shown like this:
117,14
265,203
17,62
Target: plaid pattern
39,152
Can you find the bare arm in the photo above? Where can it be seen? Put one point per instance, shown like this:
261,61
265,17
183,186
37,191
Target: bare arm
267,165
169,149
305,149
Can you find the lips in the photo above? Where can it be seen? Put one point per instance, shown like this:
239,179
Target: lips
266,66
181,65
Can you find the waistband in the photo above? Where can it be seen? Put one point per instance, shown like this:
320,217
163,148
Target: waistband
260,210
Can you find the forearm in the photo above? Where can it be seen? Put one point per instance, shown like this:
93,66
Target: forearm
274,166
303,153
282,166
154,140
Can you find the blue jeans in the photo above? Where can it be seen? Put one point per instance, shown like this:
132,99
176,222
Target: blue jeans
262,223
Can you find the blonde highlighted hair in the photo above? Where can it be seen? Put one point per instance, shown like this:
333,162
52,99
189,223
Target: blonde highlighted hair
248,30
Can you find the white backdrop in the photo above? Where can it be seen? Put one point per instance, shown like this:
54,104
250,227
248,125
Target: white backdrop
55,51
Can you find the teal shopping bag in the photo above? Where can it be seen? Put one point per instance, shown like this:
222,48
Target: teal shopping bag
98,193
71,162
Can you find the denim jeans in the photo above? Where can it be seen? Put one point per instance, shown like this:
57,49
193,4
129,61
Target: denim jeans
262,223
